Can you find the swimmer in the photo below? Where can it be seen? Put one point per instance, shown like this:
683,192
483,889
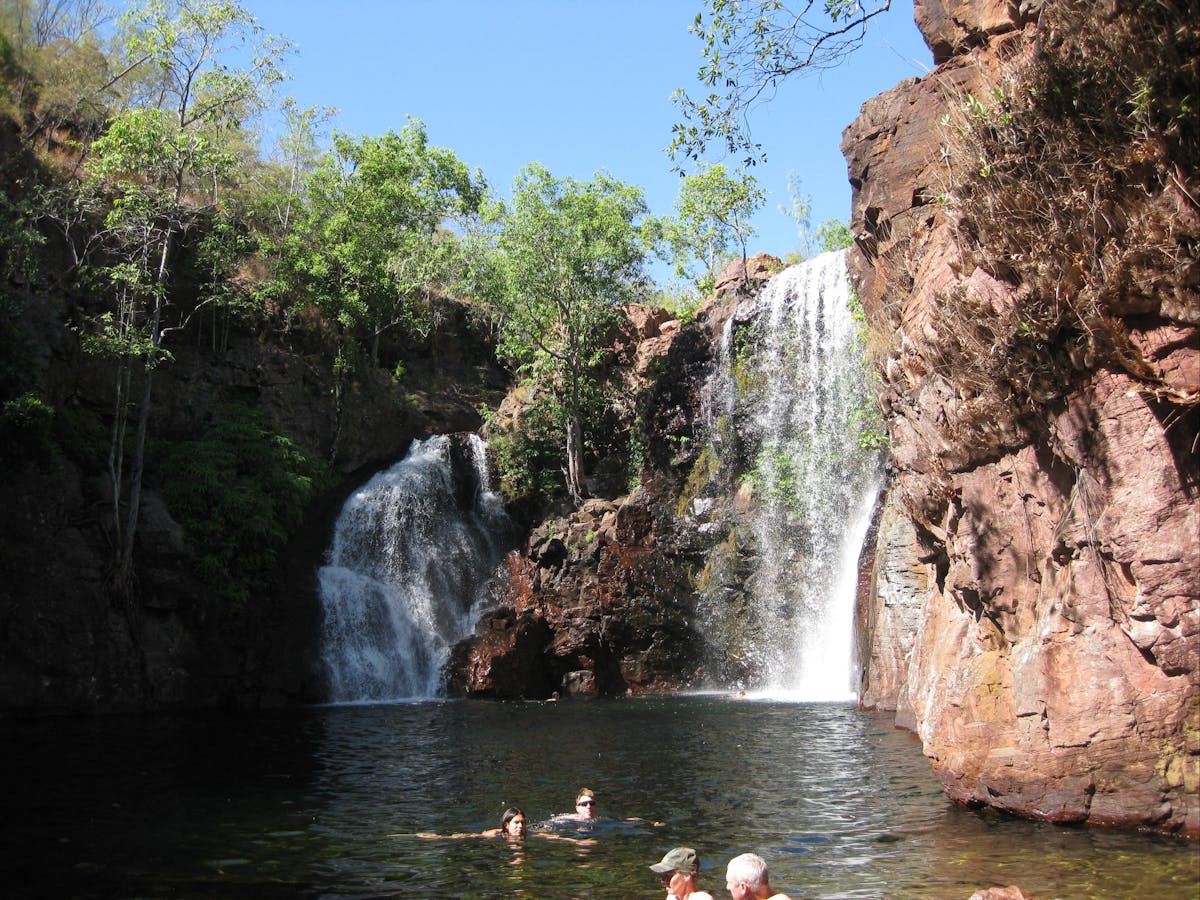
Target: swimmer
585,805
585,811
512,827
746,878
678,871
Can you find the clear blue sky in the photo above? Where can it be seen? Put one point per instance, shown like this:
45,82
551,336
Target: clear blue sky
578,85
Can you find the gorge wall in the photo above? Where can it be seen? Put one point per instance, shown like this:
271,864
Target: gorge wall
1034,614
67,644
1032,607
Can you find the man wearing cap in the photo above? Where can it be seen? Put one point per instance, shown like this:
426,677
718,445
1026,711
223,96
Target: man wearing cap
678,873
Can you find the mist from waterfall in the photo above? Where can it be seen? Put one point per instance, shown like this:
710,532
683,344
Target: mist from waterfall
407,574
797,399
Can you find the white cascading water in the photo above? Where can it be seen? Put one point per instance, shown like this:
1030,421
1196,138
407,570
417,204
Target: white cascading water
816,486
412,555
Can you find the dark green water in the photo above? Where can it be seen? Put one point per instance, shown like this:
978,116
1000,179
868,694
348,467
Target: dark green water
304,803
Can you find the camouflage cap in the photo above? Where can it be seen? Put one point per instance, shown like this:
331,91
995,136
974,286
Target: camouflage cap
681,859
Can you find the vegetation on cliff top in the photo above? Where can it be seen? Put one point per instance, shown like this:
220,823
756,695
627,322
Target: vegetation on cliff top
136,189
1075,177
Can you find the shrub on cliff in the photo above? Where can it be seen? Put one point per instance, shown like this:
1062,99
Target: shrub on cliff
240,492
1074,175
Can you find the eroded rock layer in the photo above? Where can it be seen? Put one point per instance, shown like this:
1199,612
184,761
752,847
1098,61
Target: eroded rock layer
1035,614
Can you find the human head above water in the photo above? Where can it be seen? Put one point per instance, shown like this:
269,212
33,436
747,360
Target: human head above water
746,875
585,802
681,859
512,823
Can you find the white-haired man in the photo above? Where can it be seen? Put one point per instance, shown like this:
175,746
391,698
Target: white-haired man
746,878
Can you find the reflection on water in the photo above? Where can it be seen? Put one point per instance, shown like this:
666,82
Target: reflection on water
304,803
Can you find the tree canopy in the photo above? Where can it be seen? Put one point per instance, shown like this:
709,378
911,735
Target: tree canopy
713,212
563,254
371,242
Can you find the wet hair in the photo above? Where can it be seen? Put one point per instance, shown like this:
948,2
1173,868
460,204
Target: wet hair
509,814
584,792
749,868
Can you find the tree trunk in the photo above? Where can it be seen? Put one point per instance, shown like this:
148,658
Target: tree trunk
575,460
123,577
124,573
116,448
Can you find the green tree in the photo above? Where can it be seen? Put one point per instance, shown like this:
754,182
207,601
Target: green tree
563,255
62,71
750,47
158,169
713,212
833,234
281,181
374,244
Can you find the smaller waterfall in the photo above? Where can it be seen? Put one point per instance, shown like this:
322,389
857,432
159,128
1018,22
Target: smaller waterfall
413,551
791,405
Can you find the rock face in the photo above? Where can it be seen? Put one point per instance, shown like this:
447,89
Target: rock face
591,609
1035,613
599,599
67,646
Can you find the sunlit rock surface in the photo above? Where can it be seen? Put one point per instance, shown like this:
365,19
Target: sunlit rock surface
1035,615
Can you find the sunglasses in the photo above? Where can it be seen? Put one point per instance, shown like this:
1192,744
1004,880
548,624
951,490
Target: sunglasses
585,802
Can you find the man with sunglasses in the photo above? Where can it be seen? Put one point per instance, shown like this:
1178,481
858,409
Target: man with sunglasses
585,805
585,812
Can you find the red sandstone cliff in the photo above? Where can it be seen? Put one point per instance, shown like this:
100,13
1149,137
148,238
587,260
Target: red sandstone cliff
1037,575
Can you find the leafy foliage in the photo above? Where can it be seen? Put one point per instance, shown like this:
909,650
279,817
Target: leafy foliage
528,457
750,47
26,430
370,247
55,68
833,234
713,211
240,492
558,261
20,247
226,298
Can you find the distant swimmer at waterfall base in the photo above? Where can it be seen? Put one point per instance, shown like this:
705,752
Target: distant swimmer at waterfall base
512,828
746,878
585,811
512,825
678,870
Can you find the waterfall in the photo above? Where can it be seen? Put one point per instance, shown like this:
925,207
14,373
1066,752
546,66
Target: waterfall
408,571
793,398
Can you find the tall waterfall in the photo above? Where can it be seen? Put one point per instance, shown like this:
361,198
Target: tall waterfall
412,554
795,396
